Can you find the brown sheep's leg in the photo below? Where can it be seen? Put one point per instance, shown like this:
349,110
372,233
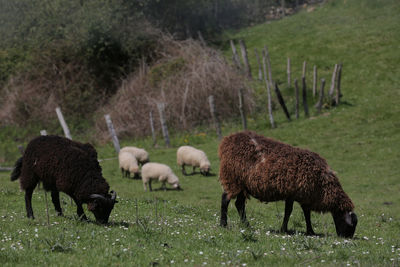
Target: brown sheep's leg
240,204
28,202
55,197
224,209
288,211
307,216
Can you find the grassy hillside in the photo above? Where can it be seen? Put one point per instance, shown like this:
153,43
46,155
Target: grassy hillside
360,140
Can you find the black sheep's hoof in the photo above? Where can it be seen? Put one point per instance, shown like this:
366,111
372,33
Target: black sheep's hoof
282,230
83,218
310,233
223,224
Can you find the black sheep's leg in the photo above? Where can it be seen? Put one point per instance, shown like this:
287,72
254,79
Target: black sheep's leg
122,172
240,204
307,216
55,197
194,169
150,186
79,210
224,209
28,202
183,169
288,211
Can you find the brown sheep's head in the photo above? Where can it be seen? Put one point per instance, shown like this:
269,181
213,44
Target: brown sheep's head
345,223
102,206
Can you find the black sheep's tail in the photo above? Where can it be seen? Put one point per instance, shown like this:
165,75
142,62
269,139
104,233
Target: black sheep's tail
16,173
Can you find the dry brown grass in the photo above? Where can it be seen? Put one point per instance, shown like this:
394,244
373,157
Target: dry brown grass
186,74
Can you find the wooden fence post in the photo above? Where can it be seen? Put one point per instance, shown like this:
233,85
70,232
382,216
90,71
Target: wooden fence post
305,105
235,57
271,117
314,88
282,102
183,118
260,75
164,127
321,97
269,66
243,50
304,69
241,109
214,116
63,123
332,88
297,105
339,78
153,134
203,43
288,72
111,130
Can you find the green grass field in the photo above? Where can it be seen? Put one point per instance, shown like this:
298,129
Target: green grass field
360,140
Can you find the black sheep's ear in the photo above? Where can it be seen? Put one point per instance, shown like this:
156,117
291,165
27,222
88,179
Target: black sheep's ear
114,196
92,205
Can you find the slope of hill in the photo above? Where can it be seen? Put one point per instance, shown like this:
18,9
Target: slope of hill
360,140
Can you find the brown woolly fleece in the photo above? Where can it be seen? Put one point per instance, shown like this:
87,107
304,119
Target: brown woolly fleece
270,171
63,165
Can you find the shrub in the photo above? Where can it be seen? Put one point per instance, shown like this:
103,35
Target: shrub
183,78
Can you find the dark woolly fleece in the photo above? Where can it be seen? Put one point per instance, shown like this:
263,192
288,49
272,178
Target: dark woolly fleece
63,165
270,170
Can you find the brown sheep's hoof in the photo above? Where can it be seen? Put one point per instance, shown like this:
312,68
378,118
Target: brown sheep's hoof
246,224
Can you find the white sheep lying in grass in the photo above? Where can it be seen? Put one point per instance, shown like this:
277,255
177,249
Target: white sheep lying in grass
128,164
188,155
141,155
161,172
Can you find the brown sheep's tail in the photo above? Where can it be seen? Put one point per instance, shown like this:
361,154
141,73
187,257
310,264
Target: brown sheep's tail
17,170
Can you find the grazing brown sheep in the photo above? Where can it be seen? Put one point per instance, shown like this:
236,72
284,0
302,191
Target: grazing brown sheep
67,166
253,165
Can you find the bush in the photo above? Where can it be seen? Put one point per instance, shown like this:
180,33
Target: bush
182,79
75,61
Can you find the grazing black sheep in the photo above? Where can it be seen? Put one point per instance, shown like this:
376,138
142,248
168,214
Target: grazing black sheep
65,166
253,165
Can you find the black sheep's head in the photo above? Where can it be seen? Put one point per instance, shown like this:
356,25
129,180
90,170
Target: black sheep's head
102,206
345,223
